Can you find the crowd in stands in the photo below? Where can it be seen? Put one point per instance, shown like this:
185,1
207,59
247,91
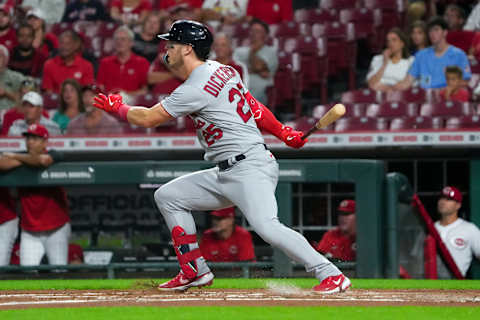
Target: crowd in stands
70,49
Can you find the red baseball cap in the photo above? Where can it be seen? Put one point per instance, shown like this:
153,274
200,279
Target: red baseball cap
346,207
452,193
224,213
36,130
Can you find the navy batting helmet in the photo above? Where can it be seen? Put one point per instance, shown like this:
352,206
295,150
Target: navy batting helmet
192,33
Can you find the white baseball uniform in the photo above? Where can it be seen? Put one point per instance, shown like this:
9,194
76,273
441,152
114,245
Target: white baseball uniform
214,97
8,234
462,239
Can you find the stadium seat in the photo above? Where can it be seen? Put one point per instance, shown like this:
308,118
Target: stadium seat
286,29
461,39
422,123
362,96
392,12
58,28
106,29
147,100
241,31
317,15
338,4
360,124
365,20
464,122
417,95
51,100
392,109
304,123
448,108
341,48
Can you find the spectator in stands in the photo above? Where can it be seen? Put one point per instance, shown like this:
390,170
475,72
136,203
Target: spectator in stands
45,219
416,10
225,241
391,67
473,20
25,58
8,38
44,41
261,59
52,9
419,37
223,12
10,81
17,111
340,243
146,42
194,5
32,103
222,47
71,104
455,17
124,71
69,64
430,63
94,121
131,12
84,10
162,80
270,11
461,238
454,91
8,214
75,254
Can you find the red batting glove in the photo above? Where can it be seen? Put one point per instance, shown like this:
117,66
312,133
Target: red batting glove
293,138
113,103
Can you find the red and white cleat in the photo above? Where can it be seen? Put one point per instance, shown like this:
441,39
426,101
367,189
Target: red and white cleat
182,283
333,284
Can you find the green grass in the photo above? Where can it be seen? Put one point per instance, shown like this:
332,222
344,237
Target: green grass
239,313
123,284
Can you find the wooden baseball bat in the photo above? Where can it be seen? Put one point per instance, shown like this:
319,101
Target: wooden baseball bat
331,116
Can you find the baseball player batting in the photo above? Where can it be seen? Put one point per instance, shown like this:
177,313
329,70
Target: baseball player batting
227,119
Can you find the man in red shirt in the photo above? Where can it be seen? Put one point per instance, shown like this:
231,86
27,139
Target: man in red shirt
45,222
8,36
124,71
271,11
340,243
225,241
69,64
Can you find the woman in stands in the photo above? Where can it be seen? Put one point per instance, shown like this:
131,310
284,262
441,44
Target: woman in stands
71,103
390,67
418,36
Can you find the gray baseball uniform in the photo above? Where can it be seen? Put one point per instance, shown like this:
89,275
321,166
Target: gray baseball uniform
213,96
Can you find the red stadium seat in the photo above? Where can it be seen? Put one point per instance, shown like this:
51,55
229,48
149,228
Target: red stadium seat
241,31
106,29
448,108
464,122
362,96
392,12
338,4
286,29
417,95
341,47
355,110
392,109
461,39
360,124
146,100
317,15
58,28
51,100
419,122
365,20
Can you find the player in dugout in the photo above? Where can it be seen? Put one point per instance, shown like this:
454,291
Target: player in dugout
228,120
225,241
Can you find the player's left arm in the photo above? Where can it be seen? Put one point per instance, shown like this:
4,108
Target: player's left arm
139,116
31,159
267,121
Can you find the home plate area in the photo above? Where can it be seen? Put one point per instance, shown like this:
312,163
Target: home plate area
274,296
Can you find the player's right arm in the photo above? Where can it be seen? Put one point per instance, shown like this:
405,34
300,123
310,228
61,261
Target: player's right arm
139,116
7,163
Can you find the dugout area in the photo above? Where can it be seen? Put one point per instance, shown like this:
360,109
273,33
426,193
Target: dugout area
380,198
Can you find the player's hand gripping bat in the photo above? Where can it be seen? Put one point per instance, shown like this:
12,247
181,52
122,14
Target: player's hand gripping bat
332,115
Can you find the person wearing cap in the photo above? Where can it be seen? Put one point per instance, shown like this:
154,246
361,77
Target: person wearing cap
462,238
8,38
32,103
52,9
225,241
261,60
93,121
124,71
44,220
340,243
10,81
45,42
69,64
25,58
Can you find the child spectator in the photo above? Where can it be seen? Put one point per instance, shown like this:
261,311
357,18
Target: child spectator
454,90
